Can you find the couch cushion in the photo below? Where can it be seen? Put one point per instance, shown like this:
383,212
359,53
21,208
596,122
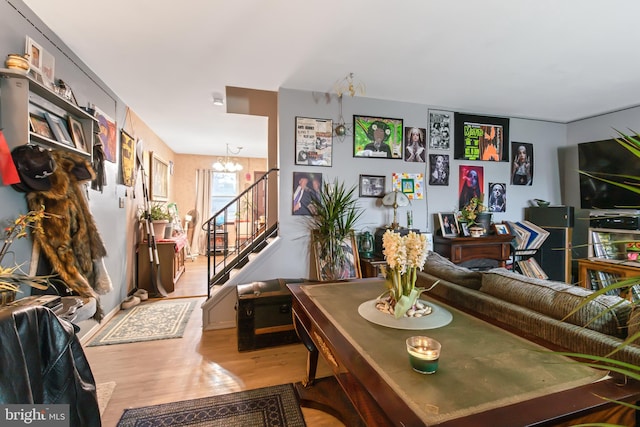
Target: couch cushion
557,299
441,267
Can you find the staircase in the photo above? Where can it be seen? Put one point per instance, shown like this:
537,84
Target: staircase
234,247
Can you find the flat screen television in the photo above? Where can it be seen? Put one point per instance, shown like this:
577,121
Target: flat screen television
604,159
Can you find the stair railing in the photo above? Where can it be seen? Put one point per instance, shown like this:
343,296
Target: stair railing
248,216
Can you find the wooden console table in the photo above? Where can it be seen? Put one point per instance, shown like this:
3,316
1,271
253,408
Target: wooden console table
460,249
171,256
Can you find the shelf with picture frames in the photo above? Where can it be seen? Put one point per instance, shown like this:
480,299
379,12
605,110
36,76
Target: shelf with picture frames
28,109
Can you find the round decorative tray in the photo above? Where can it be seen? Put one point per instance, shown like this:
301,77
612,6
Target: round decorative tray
438,318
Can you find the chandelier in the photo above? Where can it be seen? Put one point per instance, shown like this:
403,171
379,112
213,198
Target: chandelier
226,164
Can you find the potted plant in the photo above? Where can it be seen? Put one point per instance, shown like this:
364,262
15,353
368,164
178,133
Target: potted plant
334,212
159,216
476,215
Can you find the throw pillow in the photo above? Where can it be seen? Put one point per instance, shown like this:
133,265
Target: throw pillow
441,267
557,300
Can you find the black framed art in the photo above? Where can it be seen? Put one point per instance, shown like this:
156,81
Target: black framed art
481,138
377,137
314,141
372,185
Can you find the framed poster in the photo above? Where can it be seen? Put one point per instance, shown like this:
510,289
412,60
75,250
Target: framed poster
350,268
440,127
497,197
411,184
314,141
414,145
40,126
107,135
159,179
377,137
522,166
481,138
128,155
438,169
306,188
372,185
471,184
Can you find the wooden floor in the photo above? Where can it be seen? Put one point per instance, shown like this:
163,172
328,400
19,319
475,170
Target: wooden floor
202,363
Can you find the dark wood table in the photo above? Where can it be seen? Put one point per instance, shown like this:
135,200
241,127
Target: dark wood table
460,249
370,364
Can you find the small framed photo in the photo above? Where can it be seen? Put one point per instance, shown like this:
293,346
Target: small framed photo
77,134
372,185
59,128
501,228
407,185
448,224
34,50
40,126
159,179
464,229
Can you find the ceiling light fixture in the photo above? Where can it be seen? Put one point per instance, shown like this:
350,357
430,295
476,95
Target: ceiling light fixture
353,87
226,164
218,101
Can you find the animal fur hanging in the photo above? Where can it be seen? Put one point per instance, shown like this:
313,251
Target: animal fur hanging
71,241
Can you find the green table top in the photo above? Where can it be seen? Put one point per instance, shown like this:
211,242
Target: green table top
481,365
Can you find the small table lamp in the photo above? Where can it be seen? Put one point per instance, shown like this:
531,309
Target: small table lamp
395,199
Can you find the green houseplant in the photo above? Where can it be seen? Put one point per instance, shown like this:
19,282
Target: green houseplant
334,213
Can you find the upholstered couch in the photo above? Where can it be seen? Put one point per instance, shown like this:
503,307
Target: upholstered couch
538,308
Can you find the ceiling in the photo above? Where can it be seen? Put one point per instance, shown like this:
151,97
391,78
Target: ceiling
541,59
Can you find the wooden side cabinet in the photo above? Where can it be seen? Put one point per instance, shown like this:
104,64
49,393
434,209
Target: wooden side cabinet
171,265
370,267
594,274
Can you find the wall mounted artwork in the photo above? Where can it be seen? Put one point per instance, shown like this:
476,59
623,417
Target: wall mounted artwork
481,138
411,184
377,137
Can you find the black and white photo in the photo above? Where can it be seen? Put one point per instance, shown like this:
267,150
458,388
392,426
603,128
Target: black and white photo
440,129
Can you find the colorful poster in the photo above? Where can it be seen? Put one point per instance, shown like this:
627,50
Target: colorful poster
376,137
481,138
314,141
107,135
411,184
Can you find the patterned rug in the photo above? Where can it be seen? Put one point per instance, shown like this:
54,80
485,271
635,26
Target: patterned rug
269,406
151,320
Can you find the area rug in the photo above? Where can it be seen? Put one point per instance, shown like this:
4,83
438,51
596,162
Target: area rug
269,406
152,320
104,392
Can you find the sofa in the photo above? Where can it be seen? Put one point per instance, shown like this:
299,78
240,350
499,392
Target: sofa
538,309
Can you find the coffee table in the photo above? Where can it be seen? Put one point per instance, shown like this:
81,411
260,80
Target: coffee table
487,376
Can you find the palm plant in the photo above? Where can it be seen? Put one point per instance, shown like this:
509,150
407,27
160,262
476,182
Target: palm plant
334,212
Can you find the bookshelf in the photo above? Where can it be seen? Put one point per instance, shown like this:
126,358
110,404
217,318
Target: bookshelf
595,274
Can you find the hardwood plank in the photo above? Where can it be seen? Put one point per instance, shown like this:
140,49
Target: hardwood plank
202,363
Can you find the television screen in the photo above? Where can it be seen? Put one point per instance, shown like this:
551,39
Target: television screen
610,160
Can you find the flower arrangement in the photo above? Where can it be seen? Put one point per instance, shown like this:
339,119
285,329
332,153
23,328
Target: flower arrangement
405,255
12,277
469,212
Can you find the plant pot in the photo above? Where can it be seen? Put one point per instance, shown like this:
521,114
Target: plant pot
483,220
158,228
17,62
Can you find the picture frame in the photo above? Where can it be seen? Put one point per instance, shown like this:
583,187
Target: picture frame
107,133
390,137
314,142
158,179
352,268
77,134
34,50
481,138
448,224
440,129
410,184
464,229
372,185
40,126
128,150
501,228
59,128
407,186
306,188
48,67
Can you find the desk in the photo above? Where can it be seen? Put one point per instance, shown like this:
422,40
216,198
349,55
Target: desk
487,376
461,249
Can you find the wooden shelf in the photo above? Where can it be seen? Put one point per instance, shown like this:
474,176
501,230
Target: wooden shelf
171,265
620,269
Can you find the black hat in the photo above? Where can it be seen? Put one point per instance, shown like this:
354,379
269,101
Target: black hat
34,165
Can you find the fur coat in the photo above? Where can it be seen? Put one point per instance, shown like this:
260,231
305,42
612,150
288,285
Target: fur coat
71,241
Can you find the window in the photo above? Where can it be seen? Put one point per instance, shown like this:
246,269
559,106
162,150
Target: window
224,188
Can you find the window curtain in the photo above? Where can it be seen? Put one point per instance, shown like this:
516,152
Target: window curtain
203,205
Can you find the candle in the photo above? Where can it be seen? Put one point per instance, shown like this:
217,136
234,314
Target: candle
424,354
